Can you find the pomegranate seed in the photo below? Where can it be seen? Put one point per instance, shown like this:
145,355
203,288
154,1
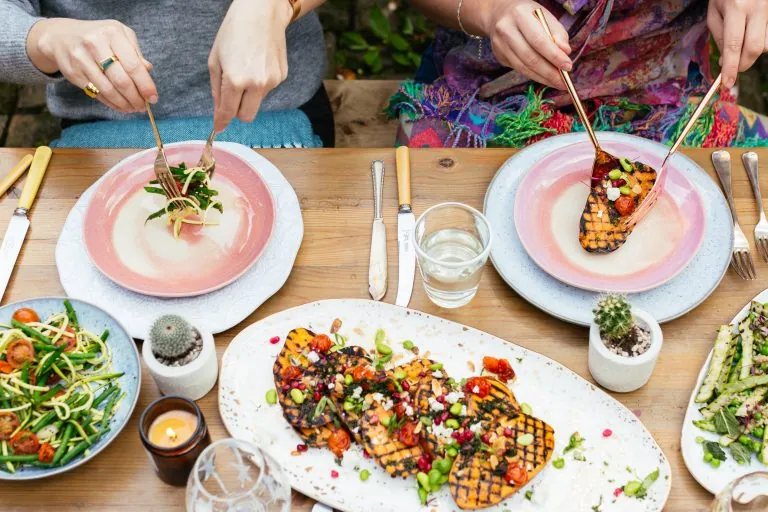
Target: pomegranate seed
468,435
374,420
508,432
301,386
274,340
334,473
456,435
367,455
484,438
316,396
405,385
441,399
607,432
320,386
444,416
285,387
437,420
301,448
617,491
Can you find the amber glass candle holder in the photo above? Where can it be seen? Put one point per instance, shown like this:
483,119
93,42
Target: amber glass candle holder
173,464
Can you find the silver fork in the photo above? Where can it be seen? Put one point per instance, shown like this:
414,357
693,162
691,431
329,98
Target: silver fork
761,230
162,170
207,162
741,260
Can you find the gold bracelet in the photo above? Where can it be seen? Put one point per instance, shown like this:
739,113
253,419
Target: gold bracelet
296,6
479,39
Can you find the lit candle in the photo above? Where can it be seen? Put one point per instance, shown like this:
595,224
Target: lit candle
172,428
174,433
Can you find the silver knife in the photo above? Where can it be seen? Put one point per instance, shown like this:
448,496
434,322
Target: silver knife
19,224
406,257
377,270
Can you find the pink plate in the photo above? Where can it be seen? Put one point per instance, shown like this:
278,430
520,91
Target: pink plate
548,207
146,258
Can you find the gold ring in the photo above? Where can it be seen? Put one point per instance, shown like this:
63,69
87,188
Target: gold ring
107,62
91,90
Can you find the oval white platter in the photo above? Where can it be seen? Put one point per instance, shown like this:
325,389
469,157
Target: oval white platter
712,479
557,395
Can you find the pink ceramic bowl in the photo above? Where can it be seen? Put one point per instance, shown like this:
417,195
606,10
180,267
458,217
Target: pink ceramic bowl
147,259
548,206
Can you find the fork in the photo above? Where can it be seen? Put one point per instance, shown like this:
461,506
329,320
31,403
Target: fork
653,196
741,261
761,230
207,162
162,170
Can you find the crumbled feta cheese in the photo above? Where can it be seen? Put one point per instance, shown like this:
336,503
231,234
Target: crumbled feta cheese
378,397
475,389
613,193
313,357
463,410
357,392
600,214
435,405
437,374
355,430
475,427
408,410
442,432
388,404
454,396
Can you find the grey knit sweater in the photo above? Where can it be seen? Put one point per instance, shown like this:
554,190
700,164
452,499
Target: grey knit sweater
175,36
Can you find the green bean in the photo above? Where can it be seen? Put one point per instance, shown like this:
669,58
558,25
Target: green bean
48,395
25,374
46,348
105,335
108,411
71,313
81,447
32,333
80,357
39,464
41,372
45,420
63,446
104,395
107,376
17,458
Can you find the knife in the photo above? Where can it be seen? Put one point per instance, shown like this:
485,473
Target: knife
19,224
406,257
19,169
377,271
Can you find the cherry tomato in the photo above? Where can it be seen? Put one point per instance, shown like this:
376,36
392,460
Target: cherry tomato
624,205
339,442
516,474
406,434
70,341
500,367
478,386
400,409
46,453
290,373
25,443
321,343
361,372
26,315
19,352
9,422
5,367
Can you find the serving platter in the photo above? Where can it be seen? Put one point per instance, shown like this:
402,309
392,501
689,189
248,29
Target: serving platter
548,210
557,395
125,358
689,288
712,479
216,311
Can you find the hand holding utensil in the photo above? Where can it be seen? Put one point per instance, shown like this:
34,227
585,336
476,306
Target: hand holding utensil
161,167
377,271
761,230
741,260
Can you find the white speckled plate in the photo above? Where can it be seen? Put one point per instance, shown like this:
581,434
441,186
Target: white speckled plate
557,395
667,302
214,312
712,479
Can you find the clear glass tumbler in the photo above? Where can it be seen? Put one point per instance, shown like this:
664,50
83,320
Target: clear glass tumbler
453,241
234,475
745,494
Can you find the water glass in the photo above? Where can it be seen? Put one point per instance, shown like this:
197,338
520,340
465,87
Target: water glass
745,494
234,475
453,241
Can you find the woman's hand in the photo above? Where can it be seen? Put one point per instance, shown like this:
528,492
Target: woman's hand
520,42
248,59
740,28
75,48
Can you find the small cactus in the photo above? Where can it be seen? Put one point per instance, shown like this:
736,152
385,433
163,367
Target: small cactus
171,337
613,315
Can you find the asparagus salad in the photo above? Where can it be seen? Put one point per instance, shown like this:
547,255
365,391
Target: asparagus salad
57,389
733,392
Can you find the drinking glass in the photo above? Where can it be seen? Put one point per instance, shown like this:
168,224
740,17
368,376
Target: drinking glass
747,493
236,476
452,245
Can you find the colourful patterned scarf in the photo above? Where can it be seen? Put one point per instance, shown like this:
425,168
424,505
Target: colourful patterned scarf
641,66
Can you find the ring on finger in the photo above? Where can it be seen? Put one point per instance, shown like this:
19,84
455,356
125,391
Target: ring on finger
91,90
104,64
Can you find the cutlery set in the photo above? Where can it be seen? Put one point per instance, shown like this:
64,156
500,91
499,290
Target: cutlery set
742,262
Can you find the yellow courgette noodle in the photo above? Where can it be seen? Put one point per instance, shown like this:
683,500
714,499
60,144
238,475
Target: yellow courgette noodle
190,207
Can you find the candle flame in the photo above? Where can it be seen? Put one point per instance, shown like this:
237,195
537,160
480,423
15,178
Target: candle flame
172,435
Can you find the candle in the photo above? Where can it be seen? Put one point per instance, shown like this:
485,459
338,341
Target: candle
174,433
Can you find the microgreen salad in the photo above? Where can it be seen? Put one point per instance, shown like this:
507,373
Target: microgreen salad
196,201
733,392
58,392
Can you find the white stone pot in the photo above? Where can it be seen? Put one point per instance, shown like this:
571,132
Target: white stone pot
191,381
620,373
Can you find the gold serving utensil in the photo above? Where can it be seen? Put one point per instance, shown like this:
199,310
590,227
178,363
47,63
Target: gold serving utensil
162,170
653,195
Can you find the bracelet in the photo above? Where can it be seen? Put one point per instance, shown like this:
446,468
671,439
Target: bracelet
479,39
296,6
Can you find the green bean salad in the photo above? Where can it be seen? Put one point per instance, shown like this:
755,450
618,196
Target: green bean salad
58,391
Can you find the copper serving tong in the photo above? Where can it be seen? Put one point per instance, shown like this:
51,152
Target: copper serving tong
602,157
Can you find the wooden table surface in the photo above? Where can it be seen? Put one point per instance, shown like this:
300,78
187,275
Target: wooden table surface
334,189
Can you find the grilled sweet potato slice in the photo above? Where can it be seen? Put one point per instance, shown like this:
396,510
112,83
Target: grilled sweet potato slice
316,437
477,479
500,401
389,452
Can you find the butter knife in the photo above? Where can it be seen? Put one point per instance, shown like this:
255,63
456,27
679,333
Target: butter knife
406,222
377,270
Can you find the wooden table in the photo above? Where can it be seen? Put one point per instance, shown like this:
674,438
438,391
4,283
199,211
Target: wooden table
334,189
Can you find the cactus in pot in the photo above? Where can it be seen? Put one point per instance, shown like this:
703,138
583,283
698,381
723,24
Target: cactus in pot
174,341
613,315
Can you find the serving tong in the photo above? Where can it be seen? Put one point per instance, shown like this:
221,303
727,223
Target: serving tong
161,167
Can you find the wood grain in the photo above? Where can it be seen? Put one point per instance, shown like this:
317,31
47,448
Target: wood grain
334,189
